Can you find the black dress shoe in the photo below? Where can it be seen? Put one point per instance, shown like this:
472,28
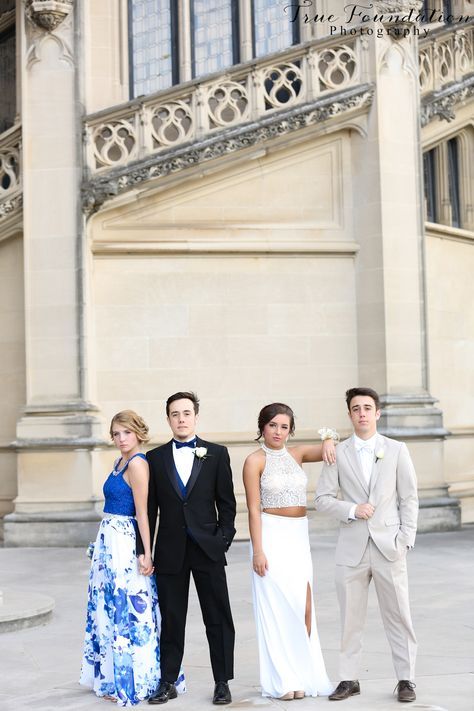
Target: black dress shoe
405,691
222,693
344,690
164,693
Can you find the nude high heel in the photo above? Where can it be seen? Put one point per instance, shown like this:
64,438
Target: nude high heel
299,694
287,697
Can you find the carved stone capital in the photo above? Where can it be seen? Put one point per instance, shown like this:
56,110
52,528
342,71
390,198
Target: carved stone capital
48,14
399,15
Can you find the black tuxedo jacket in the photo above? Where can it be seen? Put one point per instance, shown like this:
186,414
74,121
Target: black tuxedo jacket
206,512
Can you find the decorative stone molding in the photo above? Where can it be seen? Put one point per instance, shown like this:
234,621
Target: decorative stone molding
11,199
97,191
442,104
48,14
7,207
42,29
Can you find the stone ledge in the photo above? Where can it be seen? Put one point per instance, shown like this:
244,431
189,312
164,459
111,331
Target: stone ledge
439,513
19,610
51,529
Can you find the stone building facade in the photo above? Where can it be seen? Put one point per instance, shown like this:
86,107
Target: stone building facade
256,200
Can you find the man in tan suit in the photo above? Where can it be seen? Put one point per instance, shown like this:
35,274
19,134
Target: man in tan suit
377,510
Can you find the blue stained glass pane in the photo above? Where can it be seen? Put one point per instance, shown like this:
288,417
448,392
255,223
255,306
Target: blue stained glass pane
151,46
272,27
212,35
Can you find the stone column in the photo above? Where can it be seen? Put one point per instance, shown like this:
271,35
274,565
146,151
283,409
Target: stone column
59,427
388,214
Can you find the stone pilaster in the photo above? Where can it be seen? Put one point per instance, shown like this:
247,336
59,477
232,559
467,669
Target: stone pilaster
388,223
59,427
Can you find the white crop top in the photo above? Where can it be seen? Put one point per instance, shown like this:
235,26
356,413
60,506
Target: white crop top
283,482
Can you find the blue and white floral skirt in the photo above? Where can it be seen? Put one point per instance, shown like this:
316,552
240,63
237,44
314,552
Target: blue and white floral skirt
121,649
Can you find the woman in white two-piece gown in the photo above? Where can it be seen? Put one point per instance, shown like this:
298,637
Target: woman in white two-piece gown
291,662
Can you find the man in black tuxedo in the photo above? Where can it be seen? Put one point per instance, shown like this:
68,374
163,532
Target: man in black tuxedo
191,485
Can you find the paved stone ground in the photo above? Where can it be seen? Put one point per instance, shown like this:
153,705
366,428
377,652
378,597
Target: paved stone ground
39,667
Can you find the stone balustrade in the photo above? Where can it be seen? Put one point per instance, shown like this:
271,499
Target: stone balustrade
245,93
446,56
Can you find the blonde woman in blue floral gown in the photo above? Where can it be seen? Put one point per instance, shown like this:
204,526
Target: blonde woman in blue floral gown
121,659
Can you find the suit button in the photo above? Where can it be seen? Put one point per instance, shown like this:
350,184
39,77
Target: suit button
185,504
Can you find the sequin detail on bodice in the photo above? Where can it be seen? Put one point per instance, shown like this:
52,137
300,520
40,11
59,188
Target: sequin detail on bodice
118,494
283,482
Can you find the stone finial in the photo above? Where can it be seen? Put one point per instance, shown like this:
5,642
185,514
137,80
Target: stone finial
48,14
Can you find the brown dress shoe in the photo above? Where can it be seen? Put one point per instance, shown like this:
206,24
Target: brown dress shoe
344,690
405,690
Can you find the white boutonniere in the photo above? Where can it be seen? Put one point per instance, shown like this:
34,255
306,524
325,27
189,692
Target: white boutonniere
201,452
380,454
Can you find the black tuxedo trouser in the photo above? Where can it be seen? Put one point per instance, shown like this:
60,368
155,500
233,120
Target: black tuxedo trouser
173,593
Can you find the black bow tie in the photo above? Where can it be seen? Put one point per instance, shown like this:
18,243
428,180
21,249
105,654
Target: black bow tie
192,444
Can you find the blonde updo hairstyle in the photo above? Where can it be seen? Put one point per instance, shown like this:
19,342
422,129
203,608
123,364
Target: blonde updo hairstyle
135,423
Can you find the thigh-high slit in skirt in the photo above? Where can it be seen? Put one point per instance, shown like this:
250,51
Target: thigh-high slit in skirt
290,660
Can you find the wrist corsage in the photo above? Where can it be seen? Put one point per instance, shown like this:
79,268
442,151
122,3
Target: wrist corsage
328,433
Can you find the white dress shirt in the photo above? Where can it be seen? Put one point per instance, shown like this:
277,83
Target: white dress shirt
183,461
365,449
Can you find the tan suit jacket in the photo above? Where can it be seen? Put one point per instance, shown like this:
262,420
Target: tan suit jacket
392,491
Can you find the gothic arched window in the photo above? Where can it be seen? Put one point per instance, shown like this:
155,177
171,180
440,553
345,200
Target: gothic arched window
173,41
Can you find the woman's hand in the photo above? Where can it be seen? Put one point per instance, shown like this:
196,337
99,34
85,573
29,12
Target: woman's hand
145,565
329,451
260,563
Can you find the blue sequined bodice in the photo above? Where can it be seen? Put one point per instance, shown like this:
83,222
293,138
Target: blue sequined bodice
118,494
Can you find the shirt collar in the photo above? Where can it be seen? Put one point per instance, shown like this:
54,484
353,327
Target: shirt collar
364,443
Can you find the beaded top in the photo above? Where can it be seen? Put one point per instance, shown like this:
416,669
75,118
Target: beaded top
118,494
283,482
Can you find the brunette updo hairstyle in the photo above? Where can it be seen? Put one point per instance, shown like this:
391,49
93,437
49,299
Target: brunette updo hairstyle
268,412
135,423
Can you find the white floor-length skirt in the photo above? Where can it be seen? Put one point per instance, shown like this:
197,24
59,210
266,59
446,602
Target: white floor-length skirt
289,659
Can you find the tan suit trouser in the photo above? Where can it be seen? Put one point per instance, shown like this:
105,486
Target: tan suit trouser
391,585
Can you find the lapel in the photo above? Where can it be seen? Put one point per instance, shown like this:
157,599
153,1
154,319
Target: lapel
197,464
353,459
170,467
377,465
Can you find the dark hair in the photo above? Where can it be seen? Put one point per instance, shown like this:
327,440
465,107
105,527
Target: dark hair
183,396
268,412
367,392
